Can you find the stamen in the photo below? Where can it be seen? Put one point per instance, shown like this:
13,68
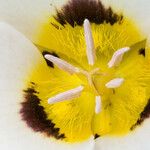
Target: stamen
68,95
117,57
90,50
62,64
114,83
98,104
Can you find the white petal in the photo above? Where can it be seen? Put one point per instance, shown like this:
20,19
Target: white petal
27,15
137,10
117,57
33,14
17,57
136,140
114,83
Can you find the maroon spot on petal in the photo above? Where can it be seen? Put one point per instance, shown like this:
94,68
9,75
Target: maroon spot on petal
49,63
76,11
35,117
96,136
144,115
142,51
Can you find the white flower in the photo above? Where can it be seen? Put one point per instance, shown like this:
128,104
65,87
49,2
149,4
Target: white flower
18,56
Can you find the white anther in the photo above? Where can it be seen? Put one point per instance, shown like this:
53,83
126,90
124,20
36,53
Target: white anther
90,50
117,57
97,104
68,95
114,83
62,64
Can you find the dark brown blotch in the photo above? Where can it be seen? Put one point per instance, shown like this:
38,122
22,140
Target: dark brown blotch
35,117
30,90
142,51
56,26
96,136
32,83
144,115
49,63
76,11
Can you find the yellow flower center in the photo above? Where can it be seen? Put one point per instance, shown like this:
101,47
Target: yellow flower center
122,89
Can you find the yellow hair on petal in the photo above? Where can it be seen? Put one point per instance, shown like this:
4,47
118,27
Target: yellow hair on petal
70,41
121,107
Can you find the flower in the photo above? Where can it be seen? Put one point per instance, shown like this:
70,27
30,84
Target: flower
128,85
